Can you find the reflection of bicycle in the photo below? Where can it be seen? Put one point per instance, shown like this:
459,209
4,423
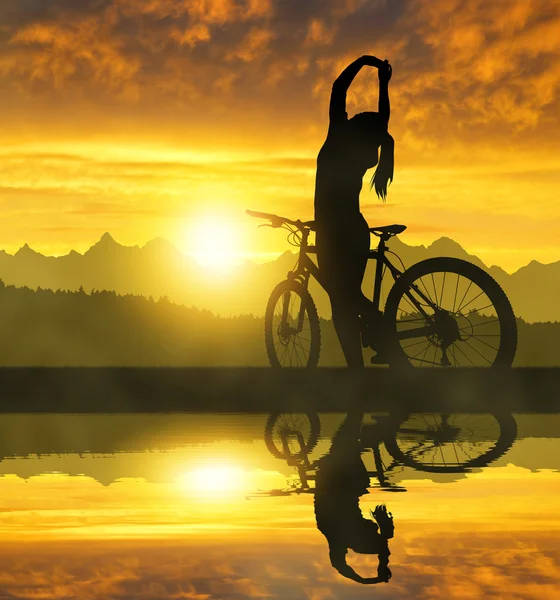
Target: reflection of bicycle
439,312
430,442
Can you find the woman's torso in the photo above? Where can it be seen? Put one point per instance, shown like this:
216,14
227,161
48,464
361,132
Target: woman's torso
338,181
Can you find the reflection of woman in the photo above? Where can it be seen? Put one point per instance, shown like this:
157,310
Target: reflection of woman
351,148
340,481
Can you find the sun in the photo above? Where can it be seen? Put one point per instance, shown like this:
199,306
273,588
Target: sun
213,242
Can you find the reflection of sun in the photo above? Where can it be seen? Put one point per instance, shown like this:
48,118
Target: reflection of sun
212,479
213,242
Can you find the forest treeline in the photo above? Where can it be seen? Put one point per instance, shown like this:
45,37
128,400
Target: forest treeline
101,328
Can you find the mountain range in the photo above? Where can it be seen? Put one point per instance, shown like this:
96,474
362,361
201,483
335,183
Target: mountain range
159,269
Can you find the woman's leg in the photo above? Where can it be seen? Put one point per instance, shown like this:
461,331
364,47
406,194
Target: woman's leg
347,324
342,258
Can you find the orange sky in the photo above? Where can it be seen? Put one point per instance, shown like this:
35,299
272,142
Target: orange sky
147,118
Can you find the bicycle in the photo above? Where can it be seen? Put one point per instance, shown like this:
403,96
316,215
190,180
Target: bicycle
424,323
428,442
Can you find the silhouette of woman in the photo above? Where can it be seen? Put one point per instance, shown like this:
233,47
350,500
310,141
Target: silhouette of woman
340,480
343,238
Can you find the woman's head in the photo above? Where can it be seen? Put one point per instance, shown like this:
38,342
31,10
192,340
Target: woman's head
369,133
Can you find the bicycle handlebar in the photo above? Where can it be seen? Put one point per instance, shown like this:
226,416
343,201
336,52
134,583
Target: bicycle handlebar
280,220
260,215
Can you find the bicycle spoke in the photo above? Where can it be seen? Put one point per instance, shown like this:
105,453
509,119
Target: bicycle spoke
461,351
410,303
298,344
426,289
463,449
416,318
472,348
478,335
456,289
435,354
424,355
283,354
442,286
435,291
442,457
426,342
453,353
486,344
477,296
455,451
296,353
464,296
486,323
410,320
414,344
290,353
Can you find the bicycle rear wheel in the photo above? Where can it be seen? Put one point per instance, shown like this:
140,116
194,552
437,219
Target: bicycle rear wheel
291,327
449,312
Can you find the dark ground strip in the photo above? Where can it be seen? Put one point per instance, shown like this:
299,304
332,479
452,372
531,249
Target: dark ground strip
118,390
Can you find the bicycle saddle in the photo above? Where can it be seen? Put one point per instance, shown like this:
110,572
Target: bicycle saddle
390,229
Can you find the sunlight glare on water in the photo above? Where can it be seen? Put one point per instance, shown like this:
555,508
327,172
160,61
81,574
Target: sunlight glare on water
215,479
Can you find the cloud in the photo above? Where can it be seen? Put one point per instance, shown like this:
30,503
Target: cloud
253,45
319,33
457,65
494,65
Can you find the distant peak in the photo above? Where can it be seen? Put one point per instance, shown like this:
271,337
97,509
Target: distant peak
106,242
107,238
25,249
159,242
446,241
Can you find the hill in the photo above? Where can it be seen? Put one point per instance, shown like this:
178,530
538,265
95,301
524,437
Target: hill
158,269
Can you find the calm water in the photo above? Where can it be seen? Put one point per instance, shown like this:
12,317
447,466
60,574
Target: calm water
266,506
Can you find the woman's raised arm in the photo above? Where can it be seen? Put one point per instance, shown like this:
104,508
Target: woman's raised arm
384,74
337,109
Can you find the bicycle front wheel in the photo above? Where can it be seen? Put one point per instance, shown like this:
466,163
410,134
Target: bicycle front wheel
291,327
449,312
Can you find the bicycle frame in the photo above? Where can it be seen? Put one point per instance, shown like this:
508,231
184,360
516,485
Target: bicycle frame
305,268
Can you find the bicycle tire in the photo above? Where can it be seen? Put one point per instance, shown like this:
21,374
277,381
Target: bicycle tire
508,326
312,347
310,442
505,440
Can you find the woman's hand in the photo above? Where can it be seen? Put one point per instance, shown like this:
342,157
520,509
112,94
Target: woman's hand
384,520
371,61
385,70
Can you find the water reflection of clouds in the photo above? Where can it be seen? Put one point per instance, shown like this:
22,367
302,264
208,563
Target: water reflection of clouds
425,563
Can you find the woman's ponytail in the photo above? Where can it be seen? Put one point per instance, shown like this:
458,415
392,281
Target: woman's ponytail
384,171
